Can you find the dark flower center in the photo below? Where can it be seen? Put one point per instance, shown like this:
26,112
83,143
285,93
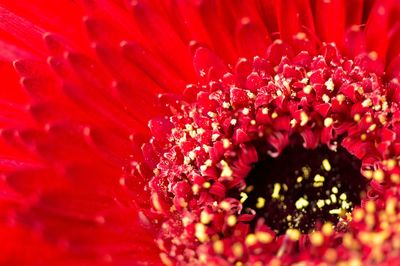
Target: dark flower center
302,187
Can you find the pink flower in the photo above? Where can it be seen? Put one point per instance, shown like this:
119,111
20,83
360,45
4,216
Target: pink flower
273,132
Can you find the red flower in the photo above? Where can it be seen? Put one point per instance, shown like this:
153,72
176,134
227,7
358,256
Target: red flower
274,132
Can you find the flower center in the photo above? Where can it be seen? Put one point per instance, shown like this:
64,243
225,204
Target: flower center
302,187
275,143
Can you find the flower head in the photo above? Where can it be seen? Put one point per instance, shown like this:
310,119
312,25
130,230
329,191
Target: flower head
273,132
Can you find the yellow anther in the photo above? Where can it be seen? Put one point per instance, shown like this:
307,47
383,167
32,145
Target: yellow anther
231,220
237,250
275,193
200,232
317,239
260,203
243,197
218,247
327,229
205,217
370,206
319,178
293,234
264,237
358,215
303,119
301,203
326,165
250,240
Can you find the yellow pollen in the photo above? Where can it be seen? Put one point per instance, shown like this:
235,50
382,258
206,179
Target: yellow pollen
391,206
206,185
329,85
326,165
328,122
250,240
317,239
357,117
275,193
274,115
320,203
237,250
226,170
243,197
275,262
231,220
372,127
200,232
366,103
327,229
165,260
226,143
391,163
306,171
379,175
307,89
373,55
360,90
330,255
293,234
301,36
260,203
327,201
343,196
355,262
319,178
358,215
225,205
348,241
264,111
203,258
303,119
395,178
325,98
341,98
363,137
212,114
333,198
264,237
218,247
156,202
293,122
335,190
368,173
301,203
337,211
205,217
370,206
186,221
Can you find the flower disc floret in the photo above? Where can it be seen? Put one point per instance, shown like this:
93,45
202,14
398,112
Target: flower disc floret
204,152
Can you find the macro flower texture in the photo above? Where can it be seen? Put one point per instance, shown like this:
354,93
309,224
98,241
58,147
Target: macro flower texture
200,132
